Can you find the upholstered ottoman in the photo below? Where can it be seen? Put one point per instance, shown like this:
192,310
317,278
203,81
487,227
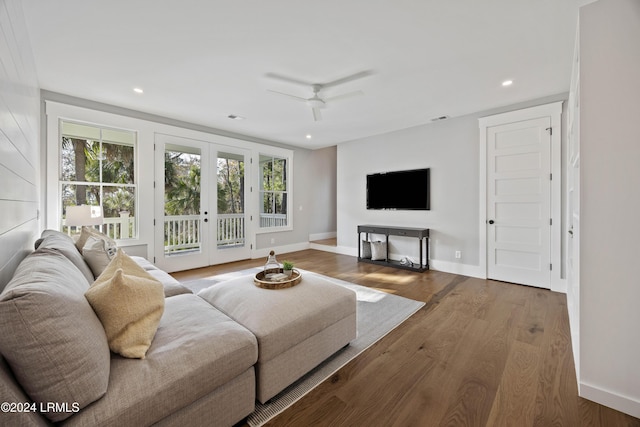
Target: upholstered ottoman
297,328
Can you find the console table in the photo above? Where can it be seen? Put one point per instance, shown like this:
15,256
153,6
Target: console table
419,233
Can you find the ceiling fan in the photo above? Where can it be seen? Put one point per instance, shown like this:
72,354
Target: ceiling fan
316,102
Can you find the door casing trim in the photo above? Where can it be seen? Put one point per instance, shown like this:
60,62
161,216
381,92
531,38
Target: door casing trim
554,111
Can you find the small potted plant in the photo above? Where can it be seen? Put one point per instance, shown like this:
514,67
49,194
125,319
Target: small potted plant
287,268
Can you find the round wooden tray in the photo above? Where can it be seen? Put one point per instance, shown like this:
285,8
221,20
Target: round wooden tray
289,282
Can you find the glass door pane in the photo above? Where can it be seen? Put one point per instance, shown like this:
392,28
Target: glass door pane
230,187
182,222
182,227
232,229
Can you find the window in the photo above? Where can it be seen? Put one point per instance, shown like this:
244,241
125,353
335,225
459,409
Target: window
274,192
97,167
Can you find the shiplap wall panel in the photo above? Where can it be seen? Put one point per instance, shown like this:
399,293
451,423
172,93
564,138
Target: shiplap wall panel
19,141
14,160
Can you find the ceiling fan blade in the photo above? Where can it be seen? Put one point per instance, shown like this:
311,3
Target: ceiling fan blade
299,98
346,79
344,96
287,79
316,114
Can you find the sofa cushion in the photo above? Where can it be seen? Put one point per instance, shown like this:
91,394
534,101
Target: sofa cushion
11,392
98,253
53,239
171,286
129,302
196,350
56,346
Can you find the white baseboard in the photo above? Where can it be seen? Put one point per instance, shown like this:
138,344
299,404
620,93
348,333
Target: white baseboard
608,398
322,236
457,268
346,250
333,249
559,285
444,266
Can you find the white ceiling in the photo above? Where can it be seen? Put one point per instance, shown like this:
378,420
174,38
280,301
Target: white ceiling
199,61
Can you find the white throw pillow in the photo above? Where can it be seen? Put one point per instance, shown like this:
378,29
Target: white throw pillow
379,251
87,232
98,253
366,249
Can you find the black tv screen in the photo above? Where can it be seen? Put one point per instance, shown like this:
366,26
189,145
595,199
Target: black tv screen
401,190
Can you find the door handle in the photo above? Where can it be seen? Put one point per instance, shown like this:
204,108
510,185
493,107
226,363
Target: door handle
206,220
491,221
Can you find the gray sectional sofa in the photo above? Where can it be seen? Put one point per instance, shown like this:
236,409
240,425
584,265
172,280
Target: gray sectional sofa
204,361
57,366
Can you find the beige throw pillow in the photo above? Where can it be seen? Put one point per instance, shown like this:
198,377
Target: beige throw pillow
129,302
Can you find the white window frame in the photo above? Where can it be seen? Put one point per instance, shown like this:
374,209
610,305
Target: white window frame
101,184
279,153
56,113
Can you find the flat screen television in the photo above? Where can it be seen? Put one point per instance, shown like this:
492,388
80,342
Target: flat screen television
399,190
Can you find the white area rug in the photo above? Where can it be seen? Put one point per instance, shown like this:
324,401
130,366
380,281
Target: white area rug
378,314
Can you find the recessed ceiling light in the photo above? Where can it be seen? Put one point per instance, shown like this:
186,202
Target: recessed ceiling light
138,90
235,117
308,136
507,83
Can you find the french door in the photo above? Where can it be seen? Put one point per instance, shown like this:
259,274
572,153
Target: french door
232,227
201,204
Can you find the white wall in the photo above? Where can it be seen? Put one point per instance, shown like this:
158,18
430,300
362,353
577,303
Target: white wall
19,141
610,203
451,149
323,203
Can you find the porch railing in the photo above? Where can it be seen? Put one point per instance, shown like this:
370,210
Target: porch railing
231,230
272,220
183,232
123,227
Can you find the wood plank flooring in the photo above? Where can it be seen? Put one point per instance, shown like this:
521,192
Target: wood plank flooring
480,353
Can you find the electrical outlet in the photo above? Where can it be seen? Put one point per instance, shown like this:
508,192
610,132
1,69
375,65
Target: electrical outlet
273,241
458,254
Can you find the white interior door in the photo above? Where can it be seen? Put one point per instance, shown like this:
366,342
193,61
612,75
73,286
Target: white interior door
519,202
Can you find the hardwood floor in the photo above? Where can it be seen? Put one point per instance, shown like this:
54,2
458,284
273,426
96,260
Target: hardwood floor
480,353
327,242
